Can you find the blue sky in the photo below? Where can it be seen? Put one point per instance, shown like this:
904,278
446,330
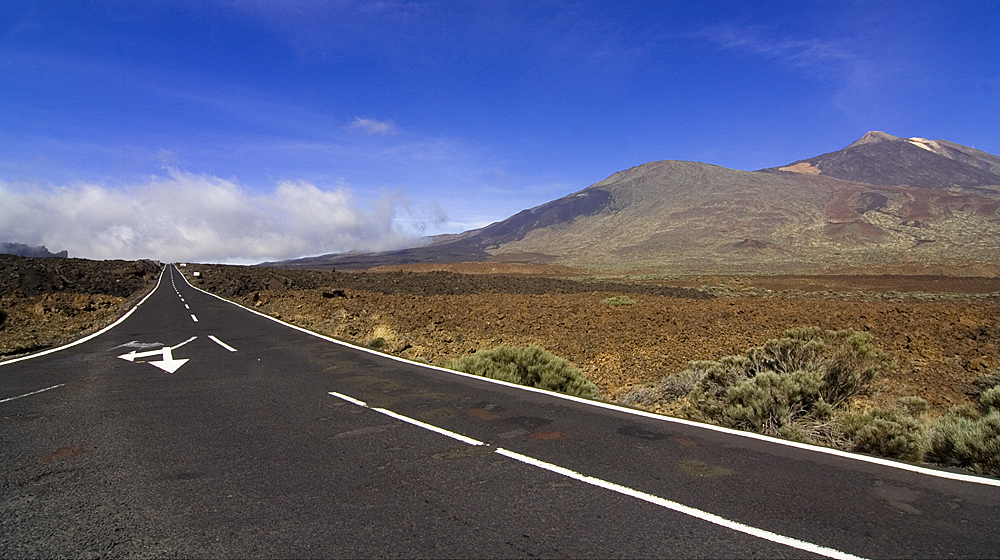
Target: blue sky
240,131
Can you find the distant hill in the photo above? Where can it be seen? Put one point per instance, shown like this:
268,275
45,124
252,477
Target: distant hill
22,250
882,204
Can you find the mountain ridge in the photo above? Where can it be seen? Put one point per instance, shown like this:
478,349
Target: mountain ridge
682,217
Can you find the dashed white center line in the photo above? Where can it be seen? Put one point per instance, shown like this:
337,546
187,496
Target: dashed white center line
31,393
222,344
186,306
193,318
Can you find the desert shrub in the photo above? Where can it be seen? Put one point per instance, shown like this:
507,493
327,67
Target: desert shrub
532,366
767,402
990,399
913,405
668,389
889,433
965,439
644,396
619,300
377,342
970,438
789,386
853,363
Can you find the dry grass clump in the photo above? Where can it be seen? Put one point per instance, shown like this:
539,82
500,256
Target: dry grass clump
618,301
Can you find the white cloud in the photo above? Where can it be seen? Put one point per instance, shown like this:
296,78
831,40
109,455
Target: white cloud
371,126
189,217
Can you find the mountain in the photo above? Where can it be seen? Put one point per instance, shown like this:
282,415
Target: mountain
22,250
882,204
878,158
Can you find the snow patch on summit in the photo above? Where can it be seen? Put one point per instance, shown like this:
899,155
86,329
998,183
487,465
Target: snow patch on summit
929,145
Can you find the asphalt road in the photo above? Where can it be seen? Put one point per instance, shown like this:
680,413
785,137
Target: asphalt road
272,442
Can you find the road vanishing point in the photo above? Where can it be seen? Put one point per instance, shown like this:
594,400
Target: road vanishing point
194,427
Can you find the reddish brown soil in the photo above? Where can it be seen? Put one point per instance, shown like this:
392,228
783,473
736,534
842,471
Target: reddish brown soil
941,341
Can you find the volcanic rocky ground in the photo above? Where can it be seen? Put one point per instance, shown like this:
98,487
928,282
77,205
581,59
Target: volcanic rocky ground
45,302
943,332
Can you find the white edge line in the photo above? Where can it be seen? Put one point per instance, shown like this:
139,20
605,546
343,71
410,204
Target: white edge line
92,335
222,344
635,412
624,490
32,393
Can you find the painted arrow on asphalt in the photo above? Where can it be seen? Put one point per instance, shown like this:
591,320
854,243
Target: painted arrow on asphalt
167,363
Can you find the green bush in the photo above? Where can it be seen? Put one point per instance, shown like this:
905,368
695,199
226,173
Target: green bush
970,438
963,439
532,366
990,399
888,433
788,387
913,405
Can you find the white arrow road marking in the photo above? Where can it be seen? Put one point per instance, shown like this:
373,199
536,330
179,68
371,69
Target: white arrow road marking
167,363
222,344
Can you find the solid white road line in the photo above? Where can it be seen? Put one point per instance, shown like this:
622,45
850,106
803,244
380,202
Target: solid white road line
222,344
31,393
624,490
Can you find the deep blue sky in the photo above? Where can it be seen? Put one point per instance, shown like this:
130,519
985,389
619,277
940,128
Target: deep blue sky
249,130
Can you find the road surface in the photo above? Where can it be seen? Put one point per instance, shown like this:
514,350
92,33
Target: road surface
197,428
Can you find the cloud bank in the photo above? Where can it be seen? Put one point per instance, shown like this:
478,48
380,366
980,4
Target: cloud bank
189,217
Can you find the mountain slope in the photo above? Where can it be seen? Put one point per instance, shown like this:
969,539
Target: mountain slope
688,217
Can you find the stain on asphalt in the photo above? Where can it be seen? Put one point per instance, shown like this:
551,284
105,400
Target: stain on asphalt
63,453
529,422
547,436
481,414
702,470
437,413
632,430
686,442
